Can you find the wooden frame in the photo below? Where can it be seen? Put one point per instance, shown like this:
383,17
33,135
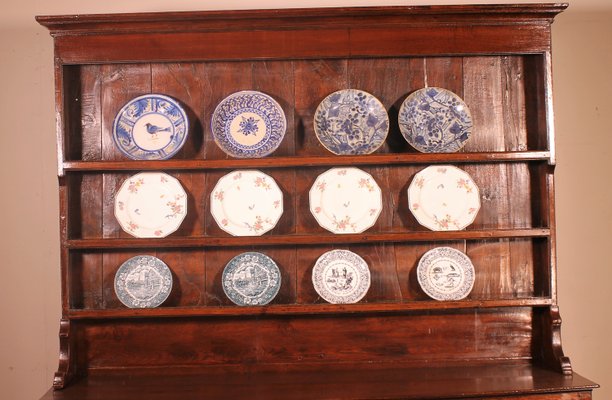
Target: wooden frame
396,343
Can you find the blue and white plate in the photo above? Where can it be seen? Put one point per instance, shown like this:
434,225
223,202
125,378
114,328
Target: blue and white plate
435,120
150,127
351,121
251,279
445,273
248,124
341,277
143,282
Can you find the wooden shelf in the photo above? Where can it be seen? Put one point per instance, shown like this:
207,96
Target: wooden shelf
305,309
310,239
303,161
512,378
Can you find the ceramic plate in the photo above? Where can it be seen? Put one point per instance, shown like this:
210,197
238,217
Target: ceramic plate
150,204
150,127
443,198
248,124
143,282
251,279
345,200
246,203
435,120
445,274
341,277
351,121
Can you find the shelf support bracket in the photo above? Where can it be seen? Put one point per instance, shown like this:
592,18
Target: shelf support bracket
65,371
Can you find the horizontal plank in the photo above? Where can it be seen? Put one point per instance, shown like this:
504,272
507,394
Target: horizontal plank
313,239
305,309
468,380
305,161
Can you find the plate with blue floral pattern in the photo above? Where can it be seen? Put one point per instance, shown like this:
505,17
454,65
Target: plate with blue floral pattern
248,124
143,282
351,121
150,127
435,120
251,279
445,273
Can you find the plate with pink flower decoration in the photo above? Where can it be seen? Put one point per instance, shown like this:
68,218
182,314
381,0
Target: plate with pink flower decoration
150,205
444,198
246,203
345,200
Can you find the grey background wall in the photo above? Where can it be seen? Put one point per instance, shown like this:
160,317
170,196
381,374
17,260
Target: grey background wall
29,240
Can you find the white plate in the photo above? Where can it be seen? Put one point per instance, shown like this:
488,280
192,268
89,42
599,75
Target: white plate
150,204
143,282
341,277
445,273
251,279
248,124
246,203
150,127
443,198
345,200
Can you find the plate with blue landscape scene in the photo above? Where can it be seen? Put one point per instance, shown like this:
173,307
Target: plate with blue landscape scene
435,120
251,279
248,124
351,121
150,127
445,273
143,282
341,277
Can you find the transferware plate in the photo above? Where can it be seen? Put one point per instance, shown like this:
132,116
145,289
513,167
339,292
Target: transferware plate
445,273
251,279
341,277
143,282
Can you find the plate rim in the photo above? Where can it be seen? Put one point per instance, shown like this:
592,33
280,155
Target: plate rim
242,92
322,291
314,214
170,178
380,103
281,204
414,94
164,266
259,254
416,215
170,99
445,297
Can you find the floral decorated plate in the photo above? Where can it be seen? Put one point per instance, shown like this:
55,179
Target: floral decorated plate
445,274
150,127
435,120
345,200
351,121
341,277
143,282
246,203
443,198
150,204
251,279
248,124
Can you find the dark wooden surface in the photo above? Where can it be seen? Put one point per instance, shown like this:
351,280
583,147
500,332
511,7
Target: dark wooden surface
509,381
503,340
